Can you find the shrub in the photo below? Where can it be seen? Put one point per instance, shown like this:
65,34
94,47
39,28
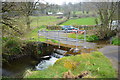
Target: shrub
116,41
92,38
12,46
89,37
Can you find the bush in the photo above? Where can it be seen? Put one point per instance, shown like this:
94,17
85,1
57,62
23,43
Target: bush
116,41
11,46
89,37
92,38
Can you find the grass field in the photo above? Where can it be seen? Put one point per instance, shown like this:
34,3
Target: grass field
95,63
81,21
44,20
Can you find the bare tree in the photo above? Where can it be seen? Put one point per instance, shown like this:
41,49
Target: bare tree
27,9
106,12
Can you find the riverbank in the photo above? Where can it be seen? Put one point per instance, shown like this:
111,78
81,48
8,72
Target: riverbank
95,63
30,54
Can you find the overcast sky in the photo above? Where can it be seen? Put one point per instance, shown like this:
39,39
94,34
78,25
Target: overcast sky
62,1
75,1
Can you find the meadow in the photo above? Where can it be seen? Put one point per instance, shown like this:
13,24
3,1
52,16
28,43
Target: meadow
81,21
43,20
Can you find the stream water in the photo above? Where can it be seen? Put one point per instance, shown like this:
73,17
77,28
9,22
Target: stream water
19,67
46,63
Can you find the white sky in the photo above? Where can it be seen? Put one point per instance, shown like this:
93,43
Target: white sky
75,1
62,1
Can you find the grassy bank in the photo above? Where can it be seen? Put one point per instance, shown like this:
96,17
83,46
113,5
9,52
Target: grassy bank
89,38
96,64
81,21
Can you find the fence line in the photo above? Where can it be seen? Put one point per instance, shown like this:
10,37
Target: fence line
84,27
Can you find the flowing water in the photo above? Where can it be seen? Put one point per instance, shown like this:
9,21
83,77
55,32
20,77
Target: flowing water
19,67
46,63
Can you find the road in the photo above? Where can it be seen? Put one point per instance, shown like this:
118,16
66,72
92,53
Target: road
112,52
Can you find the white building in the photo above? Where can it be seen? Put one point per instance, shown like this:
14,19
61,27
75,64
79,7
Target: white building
59,13
49,13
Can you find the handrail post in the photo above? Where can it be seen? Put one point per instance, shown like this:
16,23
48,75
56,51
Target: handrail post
76,39
47,37
84,35
58,38
66,37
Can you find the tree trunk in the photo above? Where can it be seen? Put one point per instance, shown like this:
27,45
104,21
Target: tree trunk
28,22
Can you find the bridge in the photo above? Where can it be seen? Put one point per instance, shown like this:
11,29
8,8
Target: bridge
62,36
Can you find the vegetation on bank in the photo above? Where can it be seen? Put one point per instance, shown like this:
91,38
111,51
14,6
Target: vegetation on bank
116,41
89,38
81,21
11,45
95,63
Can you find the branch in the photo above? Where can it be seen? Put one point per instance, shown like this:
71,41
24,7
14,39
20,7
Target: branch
10,26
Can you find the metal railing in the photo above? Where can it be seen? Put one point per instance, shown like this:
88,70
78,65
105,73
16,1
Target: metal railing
61,35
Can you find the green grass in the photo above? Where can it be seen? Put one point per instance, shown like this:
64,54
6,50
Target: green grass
33,35
89,38
81,21
116,41
95,63
43,20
